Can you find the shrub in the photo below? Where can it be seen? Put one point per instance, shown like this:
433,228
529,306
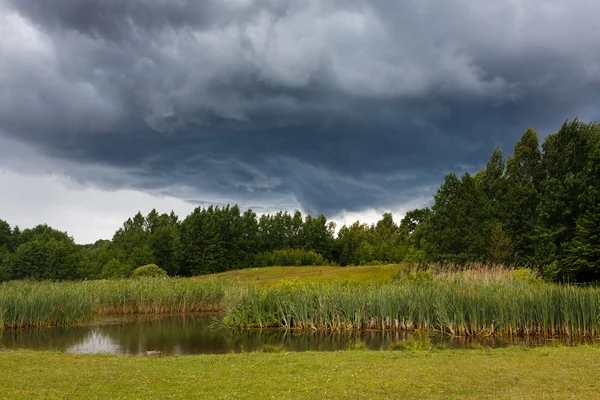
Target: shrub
527,275
150,270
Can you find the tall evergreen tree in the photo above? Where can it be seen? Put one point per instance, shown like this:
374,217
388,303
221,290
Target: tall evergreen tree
520,205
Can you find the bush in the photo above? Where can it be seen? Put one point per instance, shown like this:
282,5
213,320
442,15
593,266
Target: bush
527,275
150,270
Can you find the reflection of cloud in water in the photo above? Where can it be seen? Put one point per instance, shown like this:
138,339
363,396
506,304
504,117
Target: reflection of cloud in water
177,349
95,342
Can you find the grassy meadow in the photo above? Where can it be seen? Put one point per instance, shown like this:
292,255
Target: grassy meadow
509,373
274,276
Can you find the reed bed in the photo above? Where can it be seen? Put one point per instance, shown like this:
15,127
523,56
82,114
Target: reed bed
42,304
480,301
459,303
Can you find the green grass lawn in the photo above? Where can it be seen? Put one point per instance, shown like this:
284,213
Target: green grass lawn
511,373
269,276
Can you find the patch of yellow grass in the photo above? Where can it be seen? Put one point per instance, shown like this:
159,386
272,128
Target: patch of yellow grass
270,276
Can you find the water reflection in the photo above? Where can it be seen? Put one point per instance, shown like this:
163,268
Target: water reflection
193,334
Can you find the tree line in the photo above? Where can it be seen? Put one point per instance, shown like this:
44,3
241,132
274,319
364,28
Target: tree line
538,208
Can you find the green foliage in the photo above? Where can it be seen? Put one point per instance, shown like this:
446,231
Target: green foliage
5,264
150,270
6,236
519,208
114,269
527,275
459,229
45,253
582,253
218,239
569,167
500,248
361,244
290,258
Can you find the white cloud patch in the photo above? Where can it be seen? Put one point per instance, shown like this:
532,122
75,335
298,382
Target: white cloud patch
86,213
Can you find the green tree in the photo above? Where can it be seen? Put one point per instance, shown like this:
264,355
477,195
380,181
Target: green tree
520,205
500,249
45,253
582,253
493,182
566,164
131,242
93,258
459,228
164,240
348,242
318,235
115,269
5,251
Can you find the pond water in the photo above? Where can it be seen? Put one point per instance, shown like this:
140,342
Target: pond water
195,334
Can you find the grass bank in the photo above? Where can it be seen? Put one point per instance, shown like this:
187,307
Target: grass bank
511,373
273,276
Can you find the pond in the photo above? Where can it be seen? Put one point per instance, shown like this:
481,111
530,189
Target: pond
196,334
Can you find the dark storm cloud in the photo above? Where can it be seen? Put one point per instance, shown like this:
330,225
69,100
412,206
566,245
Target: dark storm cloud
326,105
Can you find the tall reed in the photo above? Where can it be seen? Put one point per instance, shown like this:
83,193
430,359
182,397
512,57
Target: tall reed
493,302
38,304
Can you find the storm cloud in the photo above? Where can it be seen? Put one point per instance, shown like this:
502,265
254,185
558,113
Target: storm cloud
329,106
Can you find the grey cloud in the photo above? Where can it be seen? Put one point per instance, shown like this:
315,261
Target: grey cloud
315,104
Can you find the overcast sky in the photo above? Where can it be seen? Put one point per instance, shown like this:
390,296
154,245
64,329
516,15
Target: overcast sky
344,107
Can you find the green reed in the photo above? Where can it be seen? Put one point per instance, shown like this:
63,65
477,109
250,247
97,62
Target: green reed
38,304
495,302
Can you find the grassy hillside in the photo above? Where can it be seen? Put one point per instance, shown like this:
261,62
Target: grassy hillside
510,373
269,276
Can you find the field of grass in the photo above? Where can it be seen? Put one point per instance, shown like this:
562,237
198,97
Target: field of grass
510,373
271,276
